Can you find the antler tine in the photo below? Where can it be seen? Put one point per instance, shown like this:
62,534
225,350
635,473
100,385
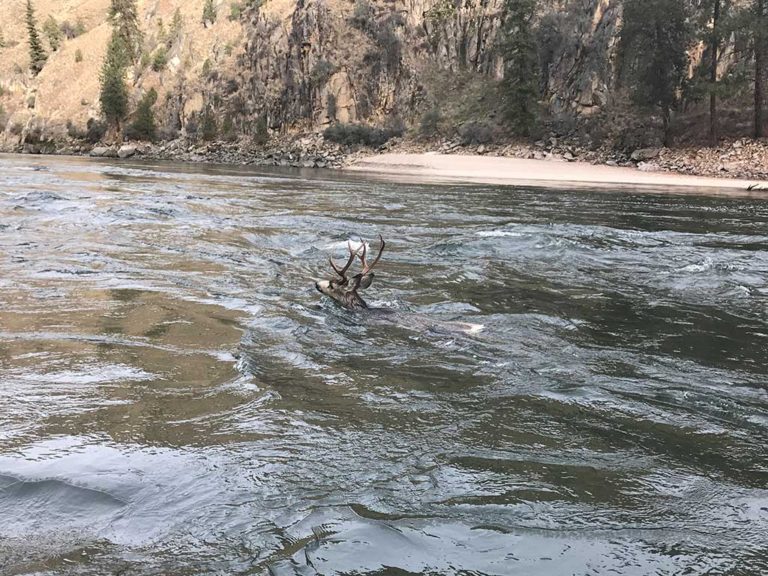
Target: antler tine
365,251
343,271
368,267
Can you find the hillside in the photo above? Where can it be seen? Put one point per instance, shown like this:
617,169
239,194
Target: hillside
433,68
67,90
286,58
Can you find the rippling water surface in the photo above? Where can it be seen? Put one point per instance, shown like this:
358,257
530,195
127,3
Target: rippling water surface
176,398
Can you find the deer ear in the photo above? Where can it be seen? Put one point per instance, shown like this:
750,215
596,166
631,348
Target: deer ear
366,280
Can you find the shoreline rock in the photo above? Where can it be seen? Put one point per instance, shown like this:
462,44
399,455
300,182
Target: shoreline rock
743,158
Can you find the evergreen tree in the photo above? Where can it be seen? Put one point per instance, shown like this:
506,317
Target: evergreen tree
652,53
521,71
760,39
37,55
208,126
209,13
53,33
714,50
114,92
144,127
177,24
123,16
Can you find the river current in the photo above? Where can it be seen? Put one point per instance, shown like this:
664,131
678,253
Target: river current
176,397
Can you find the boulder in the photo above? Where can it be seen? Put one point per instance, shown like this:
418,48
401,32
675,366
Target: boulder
100,151
126,151
645,154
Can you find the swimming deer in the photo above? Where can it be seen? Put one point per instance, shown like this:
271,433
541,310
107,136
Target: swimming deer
345,290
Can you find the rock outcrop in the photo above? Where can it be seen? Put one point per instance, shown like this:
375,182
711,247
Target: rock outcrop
304,64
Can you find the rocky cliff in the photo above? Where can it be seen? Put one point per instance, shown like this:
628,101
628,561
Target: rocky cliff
267,67
288,64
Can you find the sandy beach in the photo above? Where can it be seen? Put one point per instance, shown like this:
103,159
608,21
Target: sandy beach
515,171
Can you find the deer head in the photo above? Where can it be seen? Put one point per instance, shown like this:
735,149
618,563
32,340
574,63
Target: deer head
345,289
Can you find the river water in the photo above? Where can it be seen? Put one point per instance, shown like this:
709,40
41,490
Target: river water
176,398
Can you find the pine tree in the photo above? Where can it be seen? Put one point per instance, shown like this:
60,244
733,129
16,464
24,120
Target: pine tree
208,127
209,13
114,92
521,71
144,127
123,16
37,55
760,39
714,49
652,53
177,24
53,33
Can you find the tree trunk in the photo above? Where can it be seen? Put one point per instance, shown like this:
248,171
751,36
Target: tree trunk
759,65
714,47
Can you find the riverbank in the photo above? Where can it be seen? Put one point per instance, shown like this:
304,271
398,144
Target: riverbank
735,164
500,170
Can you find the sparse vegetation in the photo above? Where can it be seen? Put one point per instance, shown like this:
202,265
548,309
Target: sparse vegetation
228,129
70,30
390,45
235,11
321,72
331,107
363,16
475,132
209,13
162,35
53,33
177,26
78,55
95,130
74,132
37,54
208,127
144,127
93,133
429,125
441,11
160,59
261,132
360,134
192,126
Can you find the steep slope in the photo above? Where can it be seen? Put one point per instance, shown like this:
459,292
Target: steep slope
285,65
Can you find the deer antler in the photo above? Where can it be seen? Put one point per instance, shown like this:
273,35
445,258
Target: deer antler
343,271
368,267
345,291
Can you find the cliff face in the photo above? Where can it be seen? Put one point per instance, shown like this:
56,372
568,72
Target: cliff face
327,60
285,64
